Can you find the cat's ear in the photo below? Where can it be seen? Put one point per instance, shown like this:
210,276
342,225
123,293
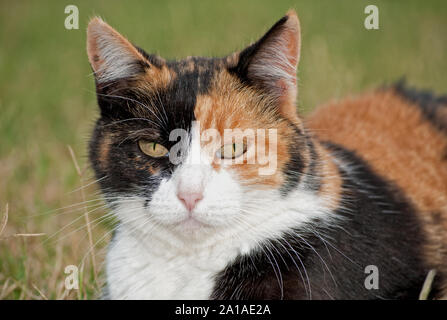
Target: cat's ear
111,55
270,63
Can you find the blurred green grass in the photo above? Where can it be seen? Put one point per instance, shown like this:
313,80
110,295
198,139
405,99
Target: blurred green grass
47,98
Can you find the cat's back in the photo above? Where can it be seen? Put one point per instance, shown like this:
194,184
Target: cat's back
402,135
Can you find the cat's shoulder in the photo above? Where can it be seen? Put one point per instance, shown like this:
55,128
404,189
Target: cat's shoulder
400,132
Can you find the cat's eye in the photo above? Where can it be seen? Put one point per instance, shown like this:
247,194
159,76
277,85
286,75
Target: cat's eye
231,150
152,149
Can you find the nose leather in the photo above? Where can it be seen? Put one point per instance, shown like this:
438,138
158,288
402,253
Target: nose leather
190,199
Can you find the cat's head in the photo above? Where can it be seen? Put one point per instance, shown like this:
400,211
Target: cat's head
167,149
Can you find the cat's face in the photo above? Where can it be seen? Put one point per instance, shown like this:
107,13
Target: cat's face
200,145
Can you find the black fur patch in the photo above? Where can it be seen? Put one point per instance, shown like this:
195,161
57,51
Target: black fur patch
377,226
152,58
199,77
313,180
427,101
295,167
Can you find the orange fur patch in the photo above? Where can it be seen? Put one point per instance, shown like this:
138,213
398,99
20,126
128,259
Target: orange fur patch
155,79
228,106
331,181
104,152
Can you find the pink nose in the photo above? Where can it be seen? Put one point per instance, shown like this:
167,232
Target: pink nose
190,199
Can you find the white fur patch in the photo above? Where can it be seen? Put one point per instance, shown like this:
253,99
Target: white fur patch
118,64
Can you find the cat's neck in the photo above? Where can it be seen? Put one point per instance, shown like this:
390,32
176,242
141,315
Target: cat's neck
322,175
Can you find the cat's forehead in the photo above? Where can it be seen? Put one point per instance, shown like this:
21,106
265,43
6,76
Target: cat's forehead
196,65
195,73
199,89
188,84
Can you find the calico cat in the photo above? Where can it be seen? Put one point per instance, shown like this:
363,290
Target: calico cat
358,184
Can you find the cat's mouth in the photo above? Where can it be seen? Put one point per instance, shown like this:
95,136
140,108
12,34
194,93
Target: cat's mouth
192,223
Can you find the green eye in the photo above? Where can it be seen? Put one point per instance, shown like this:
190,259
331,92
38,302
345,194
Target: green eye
231,150
152,149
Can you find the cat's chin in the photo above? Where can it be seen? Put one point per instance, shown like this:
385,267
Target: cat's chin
191,225
192,229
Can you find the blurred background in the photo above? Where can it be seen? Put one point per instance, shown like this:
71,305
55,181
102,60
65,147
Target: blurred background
52,217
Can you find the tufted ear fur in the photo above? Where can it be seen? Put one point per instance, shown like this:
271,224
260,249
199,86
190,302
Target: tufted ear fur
111,55
270,63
